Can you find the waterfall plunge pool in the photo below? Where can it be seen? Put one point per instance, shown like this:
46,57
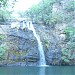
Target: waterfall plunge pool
33,70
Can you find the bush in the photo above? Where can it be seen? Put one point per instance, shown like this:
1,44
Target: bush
4,15
68,17
70,33
56,18
70,6
3,49
68,52
2,37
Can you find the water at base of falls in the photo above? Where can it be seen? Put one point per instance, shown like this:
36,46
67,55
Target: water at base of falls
42,61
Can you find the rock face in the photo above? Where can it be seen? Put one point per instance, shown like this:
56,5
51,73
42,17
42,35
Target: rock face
26,45
51,44
23,47
53,54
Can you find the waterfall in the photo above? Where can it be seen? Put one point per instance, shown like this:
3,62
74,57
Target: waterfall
40,47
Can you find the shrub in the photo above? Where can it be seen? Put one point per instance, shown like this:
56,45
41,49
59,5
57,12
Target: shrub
70,33
2,37
3,49
68,52
68,18
56,18
70,5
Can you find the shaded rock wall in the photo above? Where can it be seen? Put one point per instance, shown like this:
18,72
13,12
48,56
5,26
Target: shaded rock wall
22,47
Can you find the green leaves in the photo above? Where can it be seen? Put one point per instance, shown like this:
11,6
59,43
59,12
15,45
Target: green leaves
70,32
68,53
3,49
4,2
3,46
70,6
65,59
41,11
4,15
2,37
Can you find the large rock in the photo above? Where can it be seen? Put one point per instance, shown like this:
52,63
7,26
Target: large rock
24,42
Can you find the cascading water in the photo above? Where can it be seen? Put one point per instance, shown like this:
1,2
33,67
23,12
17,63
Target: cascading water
40,47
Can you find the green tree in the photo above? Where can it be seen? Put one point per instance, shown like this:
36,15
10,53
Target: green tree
3,2
42,11
5,14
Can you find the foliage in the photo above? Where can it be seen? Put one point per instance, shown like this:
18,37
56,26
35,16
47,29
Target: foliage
68,17
46,42
68,53
4,2
2,37
70,32
70,5
56,18
4,15
3,49
41,12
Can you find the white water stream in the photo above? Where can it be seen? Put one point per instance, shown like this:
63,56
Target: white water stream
30,26
40,47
